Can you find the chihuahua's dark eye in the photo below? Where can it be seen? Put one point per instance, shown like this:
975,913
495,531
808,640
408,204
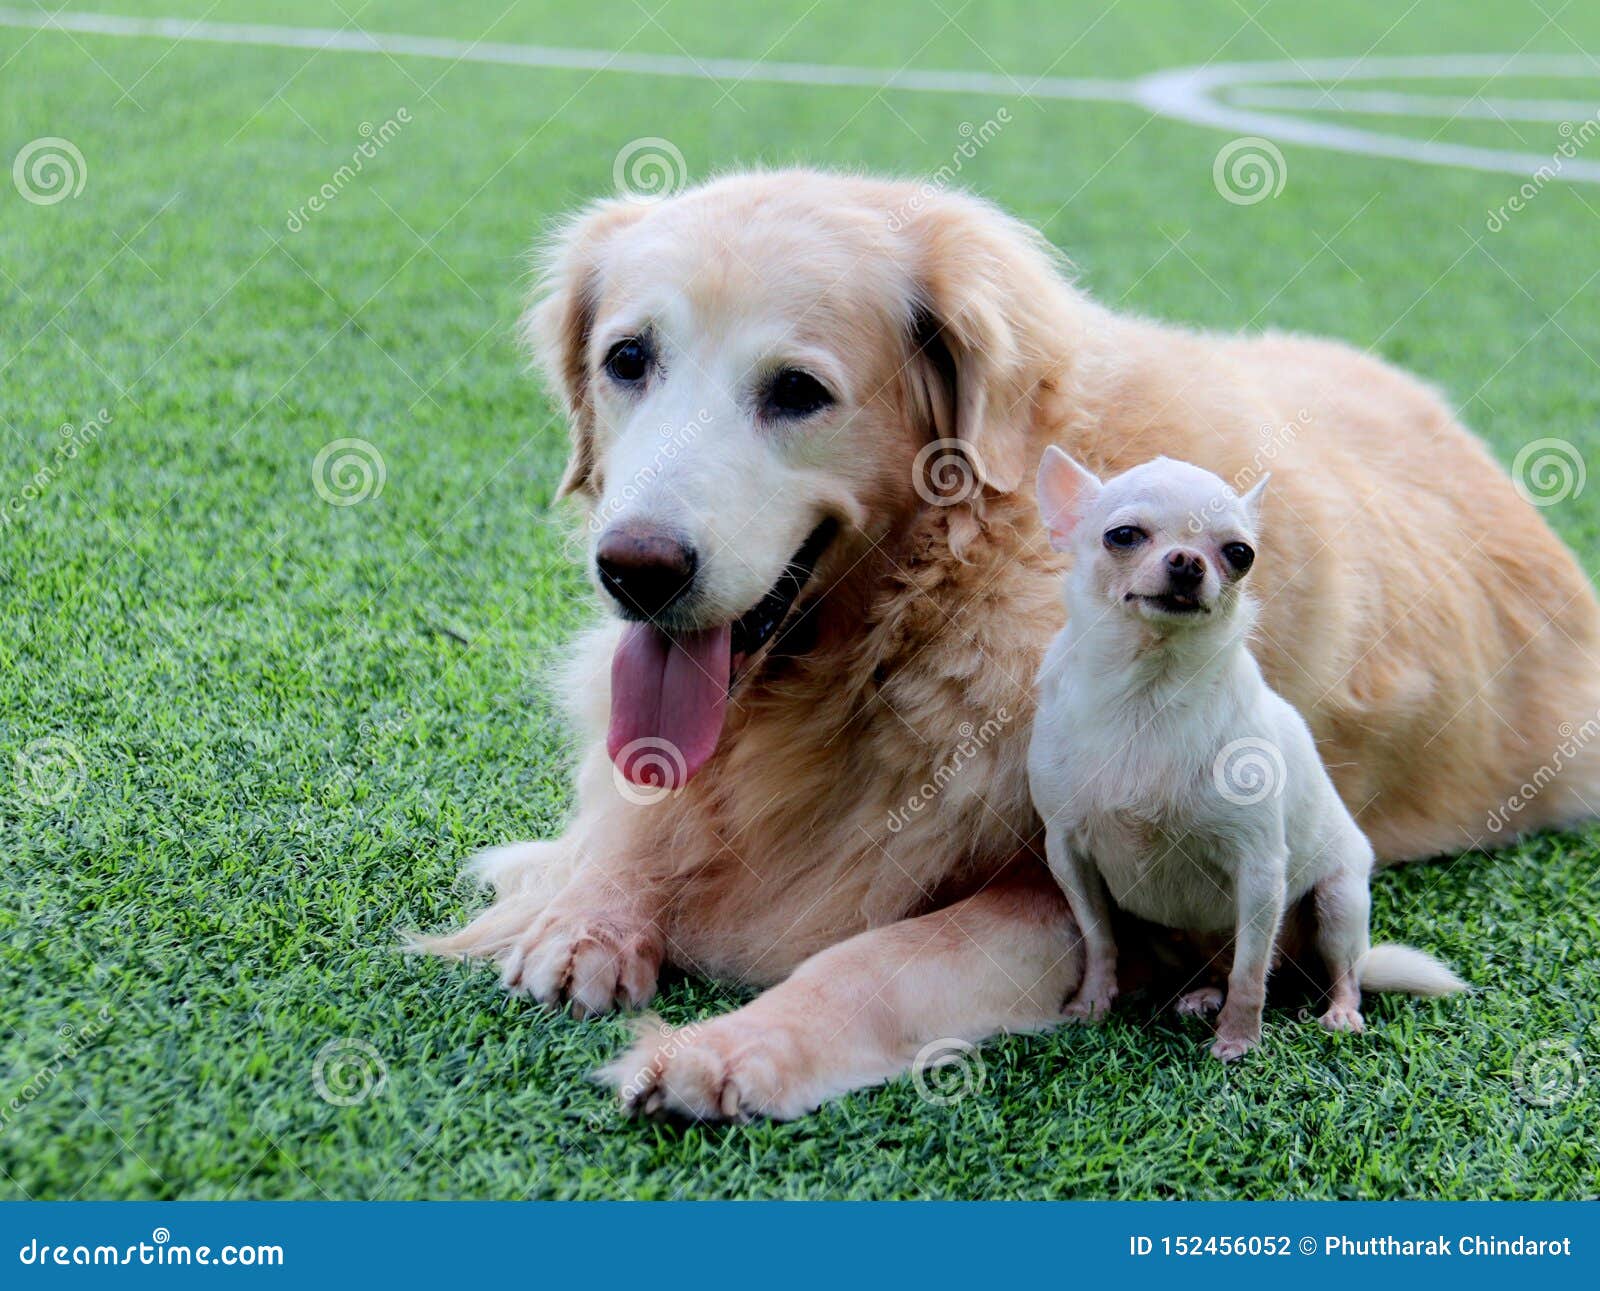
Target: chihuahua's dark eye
628,361
1124,536
794,393
1238,554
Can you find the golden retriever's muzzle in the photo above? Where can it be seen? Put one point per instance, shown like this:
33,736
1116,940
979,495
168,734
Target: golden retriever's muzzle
669,687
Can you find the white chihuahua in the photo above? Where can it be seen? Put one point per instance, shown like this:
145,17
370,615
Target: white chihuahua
1167,770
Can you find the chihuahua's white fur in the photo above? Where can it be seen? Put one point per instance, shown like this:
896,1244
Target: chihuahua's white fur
1172,779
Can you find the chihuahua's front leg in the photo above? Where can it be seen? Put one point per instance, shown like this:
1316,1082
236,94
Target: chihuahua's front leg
1077,876
1259,898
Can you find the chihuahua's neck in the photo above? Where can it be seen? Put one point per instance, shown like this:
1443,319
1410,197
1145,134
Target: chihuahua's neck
1134,658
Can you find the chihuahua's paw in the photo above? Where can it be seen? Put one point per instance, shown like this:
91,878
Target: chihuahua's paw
1089,1005
1201,1003
1228,1047
1343,1017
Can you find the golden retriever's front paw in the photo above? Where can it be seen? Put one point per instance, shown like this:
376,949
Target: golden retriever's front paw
726,1070
593,963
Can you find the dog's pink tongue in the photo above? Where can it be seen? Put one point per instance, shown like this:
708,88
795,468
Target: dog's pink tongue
668,696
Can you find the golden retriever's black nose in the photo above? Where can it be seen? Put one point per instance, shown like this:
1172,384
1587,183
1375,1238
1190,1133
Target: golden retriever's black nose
1185,570
644,569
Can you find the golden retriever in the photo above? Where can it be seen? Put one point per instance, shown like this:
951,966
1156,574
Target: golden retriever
805,411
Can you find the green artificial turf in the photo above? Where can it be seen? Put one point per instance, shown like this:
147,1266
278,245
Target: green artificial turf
278,724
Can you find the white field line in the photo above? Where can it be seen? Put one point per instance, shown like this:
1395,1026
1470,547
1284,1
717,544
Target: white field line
1442,107
582,60
1185,94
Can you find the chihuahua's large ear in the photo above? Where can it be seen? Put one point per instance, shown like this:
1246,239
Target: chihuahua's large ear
1252,500
1066,492
988,328
557,324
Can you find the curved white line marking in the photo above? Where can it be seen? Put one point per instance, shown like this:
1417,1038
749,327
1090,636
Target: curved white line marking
1183,94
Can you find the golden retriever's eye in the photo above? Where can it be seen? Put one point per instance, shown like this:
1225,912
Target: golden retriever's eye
1124,537
794,393
1239,555
628,360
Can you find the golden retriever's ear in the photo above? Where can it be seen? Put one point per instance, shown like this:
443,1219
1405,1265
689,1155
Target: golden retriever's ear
989,297
557,324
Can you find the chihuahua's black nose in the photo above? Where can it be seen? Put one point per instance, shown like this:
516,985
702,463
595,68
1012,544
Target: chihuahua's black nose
1185,570
644,569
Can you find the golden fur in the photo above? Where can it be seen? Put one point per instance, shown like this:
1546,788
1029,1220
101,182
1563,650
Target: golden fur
1415,609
